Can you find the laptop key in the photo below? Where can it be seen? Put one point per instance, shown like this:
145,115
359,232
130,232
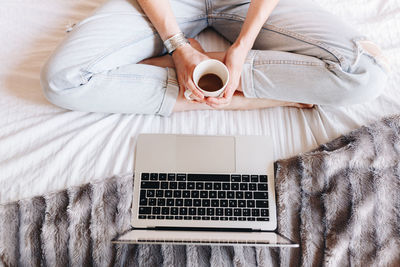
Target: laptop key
262,219
183,211
150,185
168,193
161,202
179,202
228,212
145,176
205,203
214,203
219,211
214,218
160,217
264,212
251,203
177,193
156,210
221,194
150,193
262,187
201,211
255,212
164,185
196,218
210,211
173,185
262,204
251,219
190,185
260,195
208,186
187,217
230,194
199,185
171,176
164,210
197,202
162,177
152,202
254,178
188,202
152,217
195,194
143,202
253,187
142,217
239,195
170,202
154,176
169,217
182,185
263,178
241,218
237,212
174,211
181,177
245,178
144,210
205,218
241,203
235,178
203,194
217,186
248,195
243,186
178,217
223,203
232,203
233,218
223,218
235,186
186,194
226,186
246,212
212,194
159,193
192,211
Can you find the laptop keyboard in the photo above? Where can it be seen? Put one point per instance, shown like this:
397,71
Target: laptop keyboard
215,197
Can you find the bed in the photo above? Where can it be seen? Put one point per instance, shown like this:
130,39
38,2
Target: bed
44,148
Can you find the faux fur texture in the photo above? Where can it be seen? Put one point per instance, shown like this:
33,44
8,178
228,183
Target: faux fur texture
341,202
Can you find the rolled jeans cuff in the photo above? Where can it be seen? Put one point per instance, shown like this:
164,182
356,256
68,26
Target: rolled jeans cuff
171,94
247,75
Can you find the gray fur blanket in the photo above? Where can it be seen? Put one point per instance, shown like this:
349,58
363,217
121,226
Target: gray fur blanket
341,202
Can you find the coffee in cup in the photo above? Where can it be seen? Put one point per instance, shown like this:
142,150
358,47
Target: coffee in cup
211,77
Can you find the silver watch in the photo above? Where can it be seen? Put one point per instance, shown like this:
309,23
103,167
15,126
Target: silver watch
175,41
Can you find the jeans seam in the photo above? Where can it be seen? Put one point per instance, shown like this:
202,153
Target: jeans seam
269,27
287,62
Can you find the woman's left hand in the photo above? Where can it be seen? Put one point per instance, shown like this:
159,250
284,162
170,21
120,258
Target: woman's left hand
234,60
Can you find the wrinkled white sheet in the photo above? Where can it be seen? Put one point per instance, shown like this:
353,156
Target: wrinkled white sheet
45,148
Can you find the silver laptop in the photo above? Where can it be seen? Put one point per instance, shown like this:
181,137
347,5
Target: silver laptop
216,190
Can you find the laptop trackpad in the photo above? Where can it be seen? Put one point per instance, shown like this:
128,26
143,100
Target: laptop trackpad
205,154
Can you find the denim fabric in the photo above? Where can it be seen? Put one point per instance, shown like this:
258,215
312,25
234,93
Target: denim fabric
302,54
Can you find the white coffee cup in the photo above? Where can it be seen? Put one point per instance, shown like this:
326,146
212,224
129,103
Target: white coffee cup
206,67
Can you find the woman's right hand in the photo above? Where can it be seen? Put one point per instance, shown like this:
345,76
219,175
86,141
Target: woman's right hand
185,59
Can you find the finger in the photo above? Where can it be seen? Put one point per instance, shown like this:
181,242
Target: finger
192,87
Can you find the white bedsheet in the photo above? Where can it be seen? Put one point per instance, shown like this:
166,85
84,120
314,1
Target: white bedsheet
45,148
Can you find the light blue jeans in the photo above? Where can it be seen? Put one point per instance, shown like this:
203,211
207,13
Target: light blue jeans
302,54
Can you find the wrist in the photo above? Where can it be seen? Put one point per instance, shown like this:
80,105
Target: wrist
242,44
